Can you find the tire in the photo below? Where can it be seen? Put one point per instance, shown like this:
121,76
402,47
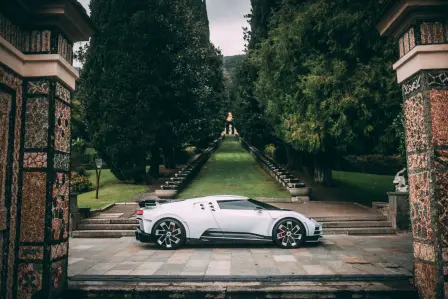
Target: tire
289,233
175,230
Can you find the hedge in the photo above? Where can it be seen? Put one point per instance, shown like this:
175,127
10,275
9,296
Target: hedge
373,164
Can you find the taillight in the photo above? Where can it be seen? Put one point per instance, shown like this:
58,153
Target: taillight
139,212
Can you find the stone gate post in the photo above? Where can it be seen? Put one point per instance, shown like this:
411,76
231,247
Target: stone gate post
36,82
420,28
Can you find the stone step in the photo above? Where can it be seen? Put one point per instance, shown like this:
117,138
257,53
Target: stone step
109,221
354,224
105,287
351,218
102,233
106,226
360,231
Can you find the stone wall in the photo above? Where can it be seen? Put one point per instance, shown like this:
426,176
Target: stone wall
423,33
45,41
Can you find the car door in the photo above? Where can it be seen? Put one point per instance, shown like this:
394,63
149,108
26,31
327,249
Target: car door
241,219
201,221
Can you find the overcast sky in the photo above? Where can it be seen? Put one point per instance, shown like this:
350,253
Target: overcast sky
226,22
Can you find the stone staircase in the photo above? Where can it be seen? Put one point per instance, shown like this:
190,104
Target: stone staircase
105,228
356,225
349,225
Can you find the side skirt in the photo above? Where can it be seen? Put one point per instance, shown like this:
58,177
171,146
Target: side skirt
203,241
214,237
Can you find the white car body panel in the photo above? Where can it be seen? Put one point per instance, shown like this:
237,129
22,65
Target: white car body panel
244,221
200,215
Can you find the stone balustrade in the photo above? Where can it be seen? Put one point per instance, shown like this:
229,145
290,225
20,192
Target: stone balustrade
298,190
182,178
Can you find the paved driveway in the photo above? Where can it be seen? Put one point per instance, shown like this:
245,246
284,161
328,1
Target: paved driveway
340,254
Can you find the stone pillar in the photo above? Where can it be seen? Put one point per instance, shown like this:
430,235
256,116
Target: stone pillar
75,216
36,81
398,210
421,30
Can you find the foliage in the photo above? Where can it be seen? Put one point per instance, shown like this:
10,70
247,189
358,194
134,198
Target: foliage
78,145
398,127
151,81
325,77
249,116
231,62
260,18
80,183
318,78
269,150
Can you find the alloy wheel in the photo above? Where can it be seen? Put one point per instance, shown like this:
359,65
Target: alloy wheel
169,234
289,233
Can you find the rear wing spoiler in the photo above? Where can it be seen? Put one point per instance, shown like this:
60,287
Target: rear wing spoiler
153,203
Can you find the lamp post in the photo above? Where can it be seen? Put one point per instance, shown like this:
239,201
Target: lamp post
99,164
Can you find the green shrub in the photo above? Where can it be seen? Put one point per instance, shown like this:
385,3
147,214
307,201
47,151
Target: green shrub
78,145
269,150
80,183
191,150
373,164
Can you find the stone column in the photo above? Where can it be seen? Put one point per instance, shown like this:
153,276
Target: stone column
45,181
36,81
421,30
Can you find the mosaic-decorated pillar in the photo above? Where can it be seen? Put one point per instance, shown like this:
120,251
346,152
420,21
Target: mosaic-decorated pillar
36,80
44,216
34,176
426,118
421,30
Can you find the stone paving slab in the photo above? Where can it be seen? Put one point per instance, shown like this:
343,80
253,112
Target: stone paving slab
335,255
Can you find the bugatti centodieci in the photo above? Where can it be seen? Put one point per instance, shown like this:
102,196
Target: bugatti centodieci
222,219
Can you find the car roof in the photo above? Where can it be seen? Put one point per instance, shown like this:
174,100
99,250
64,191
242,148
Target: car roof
219,197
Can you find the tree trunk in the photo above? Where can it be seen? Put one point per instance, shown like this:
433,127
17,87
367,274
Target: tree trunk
289,157
294,158
154,171
168,154
322,170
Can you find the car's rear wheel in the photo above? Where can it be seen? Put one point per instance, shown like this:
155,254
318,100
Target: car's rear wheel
289,233
169,234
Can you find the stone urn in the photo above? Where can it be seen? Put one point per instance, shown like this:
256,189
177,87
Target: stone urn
299,189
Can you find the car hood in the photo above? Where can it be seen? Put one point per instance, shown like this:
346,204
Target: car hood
282,212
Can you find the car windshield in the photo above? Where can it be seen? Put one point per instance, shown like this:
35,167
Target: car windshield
263,205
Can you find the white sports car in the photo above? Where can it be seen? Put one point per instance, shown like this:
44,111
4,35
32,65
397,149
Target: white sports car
224,218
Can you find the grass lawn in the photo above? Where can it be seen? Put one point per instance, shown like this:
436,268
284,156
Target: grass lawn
111,191
363,187
232,170
351,187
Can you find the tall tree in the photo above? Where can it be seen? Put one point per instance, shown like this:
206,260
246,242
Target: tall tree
326,82
142,81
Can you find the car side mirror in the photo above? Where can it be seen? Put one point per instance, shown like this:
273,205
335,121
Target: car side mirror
259,210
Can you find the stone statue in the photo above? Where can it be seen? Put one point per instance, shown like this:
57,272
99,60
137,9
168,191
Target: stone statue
400,182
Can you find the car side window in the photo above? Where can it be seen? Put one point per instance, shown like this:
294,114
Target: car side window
236,205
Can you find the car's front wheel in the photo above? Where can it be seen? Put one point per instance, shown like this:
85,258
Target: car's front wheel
289,233
169,234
